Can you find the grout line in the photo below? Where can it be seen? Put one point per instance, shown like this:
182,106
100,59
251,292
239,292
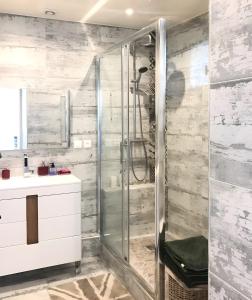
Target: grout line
201,14
83,237
228,285
231,184
231,81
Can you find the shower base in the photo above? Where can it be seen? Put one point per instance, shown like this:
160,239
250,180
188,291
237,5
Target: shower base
142,257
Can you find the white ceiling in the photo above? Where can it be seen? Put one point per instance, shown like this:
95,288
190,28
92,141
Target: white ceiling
108,12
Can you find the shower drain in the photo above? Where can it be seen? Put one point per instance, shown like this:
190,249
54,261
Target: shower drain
151,247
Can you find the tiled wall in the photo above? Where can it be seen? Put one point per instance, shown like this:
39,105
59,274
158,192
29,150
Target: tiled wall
231,150
187,128
48,55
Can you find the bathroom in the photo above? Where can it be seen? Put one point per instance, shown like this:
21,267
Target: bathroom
142,103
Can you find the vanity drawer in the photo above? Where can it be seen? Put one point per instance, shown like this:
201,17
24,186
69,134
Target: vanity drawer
13,210
59,205
59,227
33,189
23,258
12,234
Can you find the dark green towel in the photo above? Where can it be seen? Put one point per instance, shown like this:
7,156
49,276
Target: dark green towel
188,259
191,252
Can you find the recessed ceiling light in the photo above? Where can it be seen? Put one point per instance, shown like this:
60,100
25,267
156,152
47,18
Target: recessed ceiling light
129,11
50,12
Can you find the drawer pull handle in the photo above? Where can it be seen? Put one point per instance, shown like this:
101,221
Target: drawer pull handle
32,219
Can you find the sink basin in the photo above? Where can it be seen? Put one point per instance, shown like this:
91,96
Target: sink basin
36,181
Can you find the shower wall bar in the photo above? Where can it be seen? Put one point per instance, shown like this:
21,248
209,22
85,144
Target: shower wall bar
125,176
160,81
160,95
98,154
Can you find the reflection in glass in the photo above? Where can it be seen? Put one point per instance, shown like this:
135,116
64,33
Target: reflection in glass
13,119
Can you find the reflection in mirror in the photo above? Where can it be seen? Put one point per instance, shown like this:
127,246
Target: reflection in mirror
13,119
48,119
32,119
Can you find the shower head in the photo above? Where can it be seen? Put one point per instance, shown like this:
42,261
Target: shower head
141,71
151,40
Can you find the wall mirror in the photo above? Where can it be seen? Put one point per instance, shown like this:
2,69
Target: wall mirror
31,119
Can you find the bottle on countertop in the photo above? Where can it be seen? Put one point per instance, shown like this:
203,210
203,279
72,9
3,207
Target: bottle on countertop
26,165
43,170
5,173
52,169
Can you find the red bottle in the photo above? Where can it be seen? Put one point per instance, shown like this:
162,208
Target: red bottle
6,174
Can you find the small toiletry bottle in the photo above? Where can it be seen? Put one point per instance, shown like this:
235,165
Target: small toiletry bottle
5,174
52,169
43,170
26,166
15,142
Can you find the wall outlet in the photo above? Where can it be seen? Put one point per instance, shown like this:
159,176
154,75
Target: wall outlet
87,144
77,144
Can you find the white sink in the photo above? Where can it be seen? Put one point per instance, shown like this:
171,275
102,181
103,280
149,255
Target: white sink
37,181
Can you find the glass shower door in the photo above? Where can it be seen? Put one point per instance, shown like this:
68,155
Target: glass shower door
112,148
131,90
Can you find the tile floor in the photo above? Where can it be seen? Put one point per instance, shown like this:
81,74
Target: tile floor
142,258
43,278
102,286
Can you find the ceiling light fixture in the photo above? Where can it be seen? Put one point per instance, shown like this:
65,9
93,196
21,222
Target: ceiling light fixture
129,11
50,13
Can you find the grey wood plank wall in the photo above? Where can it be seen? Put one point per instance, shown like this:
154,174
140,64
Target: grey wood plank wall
230,150
187,129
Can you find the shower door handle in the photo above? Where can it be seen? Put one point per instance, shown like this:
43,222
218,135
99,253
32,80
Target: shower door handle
121,152
122,145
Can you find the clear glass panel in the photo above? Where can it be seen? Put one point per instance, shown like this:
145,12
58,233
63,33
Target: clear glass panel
111,151
187,130
142,157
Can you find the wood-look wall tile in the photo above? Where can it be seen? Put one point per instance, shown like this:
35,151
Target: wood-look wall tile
231,34
231,232
89,225
219,290
187,214
188,34
91,247
187,128
231,124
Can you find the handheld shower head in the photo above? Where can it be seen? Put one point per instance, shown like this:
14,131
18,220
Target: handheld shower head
141,71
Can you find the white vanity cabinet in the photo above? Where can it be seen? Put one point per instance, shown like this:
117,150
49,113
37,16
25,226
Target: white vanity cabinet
40,222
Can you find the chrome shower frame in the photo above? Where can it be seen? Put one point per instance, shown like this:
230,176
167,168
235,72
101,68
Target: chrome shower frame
160,27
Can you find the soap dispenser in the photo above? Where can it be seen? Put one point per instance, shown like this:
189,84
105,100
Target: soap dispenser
26,166
52,169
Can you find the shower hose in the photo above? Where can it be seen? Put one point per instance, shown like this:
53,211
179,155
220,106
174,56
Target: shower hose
143,143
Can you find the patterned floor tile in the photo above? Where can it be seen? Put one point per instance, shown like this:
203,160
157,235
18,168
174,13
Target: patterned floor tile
99,287
40,295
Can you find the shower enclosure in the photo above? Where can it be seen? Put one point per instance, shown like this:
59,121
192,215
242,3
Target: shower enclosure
131,90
